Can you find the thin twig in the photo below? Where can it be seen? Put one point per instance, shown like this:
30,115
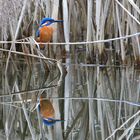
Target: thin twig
127,11
122,125
77,98
77,43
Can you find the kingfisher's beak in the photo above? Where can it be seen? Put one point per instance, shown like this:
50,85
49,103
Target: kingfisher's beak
58,20
59,120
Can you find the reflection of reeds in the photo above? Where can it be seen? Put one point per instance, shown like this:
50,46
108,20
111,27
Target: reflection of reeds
98,98
98,103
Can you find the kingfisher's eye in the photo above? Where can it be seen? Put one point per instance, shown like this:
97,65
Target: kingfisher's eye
45,23
51,121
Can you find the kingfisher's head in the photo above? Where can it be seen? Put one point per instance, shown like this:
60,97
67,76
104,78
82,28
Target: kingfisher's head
48,21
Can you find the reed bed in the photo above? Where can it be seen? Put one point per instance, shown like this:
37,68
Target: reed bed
91,73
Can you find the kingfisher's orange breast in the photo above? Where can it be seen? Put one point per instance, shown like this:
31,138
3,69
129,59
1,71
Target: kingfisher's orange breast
46,109
46,33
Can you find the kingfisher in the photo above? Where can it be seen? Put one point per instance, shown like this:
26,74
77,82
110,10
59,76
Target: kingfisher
45,31
47,112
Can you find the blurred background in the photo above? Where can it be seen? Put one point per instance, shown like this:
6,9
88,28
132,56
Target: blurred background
89,71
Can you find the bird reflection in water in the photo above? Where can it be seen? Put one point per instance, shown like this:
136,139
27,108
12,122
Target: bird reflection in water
47,112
